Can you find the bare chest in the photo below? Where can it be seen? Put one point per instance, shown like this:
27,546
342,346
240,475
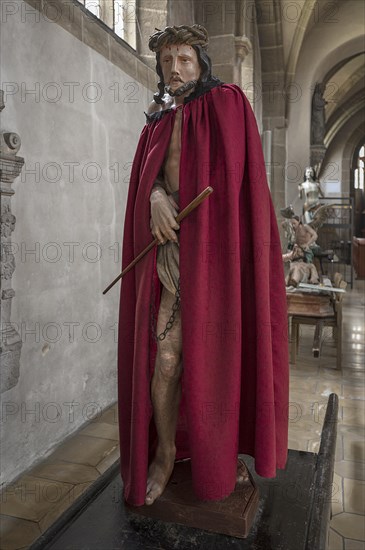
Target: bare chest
175,141
172,159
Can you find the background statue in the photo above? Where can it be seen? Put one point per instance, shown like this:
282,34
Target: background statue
310,191
301,245
318,122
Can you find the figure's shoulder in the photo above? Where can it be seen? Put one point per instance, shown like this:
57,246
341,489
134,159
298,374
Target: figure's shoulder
153,108
233,97
156,110
230,90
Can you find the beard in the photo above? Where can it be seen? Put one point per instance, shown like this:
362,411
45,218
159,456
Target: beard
182,89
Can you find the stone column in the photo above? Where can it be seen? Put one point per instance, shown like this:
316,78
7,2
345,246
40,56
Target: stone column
243,47
151,14
10,340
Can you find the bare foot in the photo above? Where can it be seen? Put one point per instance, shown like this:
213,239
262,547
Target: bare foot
242,472
159,474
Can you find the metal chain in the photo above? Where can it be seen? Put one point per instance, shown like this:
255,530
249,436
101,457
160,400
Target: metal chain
170,322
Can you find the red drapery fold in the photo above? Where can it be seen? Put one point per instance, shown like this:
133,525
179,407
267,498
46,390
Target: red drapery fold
233,305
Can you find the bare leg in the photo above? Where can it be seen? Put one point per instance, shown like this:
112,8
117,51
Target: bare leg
165,393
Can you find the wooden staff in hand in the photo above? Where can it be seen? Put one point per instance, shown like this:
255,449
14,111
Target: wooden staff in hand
185,212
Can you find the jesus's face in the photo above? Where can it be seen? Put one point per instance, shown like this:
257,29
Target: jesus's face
179,64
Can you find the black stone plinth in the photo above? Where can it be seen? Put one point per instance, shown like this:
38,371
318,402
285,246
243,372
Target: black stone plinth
293,511
281,521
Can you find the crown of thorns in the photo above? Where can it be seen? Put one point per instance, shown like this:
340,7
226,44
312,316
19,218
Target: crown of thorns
195,35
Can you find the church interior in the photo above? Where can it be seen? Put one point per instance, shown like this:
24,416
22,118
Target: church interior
76,80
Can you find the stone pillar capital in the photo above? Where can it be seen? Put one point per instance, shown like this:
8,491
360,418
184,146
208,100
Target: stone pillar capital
243,47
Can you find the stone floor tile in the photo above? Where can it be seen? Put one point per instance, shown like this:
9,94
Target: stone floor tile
354,496
354,403
352,432
83,449
340,452
63,505
337,495
335,541
32,497
349,525
311,422
353,392
347,380
108,460
350,469
17,533
297,444
101,429
301,370
353,449
298,383
325,387
66,471
327,360
330,373
108,416
354,544
313,445
355,369
351,336
354,375
356,349
299,405
354,415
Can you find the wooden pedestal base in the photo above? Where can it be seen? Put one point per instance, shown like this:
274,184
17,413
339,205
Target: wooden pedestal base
232,516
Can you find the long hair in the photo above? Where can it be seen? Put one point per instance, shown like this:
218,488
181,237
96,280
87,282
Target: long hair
314,177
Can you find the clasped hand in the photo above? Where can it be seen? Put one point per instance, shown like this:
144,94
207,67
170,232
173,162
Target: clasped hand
164,211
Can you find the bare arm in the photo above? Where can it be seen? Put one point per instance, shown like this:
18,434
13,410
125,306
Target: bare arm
320,192
164,211
312,235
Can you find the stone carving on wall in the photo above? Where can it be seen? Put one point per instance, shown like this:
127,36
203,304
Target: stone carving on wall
10,340
318,127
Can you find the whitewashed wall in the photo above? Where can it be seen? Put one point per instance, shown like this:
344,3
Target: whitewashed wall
78,140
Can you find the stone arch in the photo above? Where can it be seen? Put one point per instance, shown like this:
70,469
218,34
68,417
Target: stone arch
269,27
301,29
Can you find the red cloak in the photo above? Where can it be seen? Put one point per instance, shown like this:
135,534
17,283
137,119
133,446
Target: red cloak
233,304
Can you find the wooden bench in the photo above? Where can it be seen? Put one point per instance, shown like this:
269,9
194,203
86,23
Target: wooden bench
320,310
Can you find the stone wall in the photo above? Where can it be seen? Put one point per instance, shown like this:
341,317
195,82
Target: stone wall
79,116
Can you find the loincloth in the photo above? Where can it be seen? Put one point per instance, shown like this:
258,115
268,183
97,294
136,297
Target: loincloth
168,261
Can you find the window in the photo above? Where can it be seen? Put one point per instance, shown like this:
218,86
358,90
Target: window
359,172
125,20
119,15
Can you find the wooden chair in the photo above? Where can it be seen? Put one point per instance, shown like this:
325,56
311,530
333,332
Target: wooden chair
321,311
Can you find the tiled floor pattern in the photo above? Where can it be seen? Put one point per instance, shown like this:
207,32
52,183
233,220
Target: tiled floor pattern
34,501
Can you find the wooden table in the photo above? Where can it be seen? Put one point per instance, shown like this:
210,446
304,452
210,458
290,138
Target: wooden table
308,308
